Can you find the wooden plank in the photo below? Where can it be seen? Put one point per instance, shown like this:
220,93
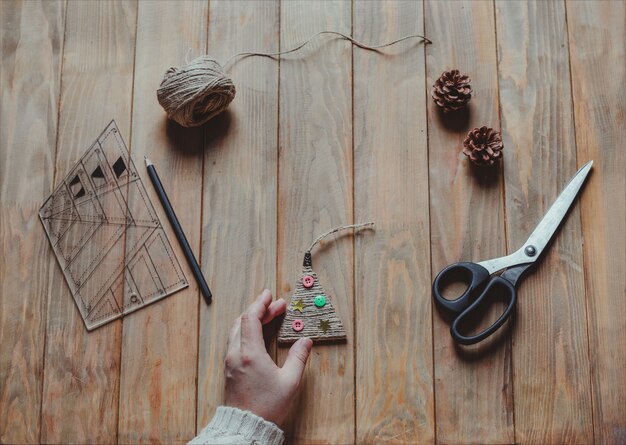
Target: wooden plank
550,351
30,71
394,393
81,378
315,195
239,209
159,343
597,46
473,391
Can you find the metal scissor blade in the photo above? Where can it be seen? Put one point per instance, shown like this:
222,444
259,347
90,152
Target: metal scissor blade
551,221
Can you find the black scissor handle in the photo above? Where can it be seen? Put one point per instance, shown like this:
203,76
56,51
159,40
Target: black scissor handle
497,287
472,273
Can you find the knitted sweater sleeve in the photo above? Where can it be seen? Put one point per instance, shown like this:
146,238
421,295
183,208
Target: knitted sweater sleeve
232,426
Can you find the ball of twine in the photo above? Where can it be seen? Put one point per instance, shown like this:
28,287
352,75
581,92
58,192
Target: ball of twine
195,93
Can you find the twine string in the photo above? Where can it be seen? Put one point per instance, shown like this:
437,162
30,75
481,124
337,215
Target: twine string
337,229
187,55
344,36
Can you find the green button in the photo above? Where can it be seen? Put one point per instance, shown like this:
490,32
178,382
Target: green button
320,301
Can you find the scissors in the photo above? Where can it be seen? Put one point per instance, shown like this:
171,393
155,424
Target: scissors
484,283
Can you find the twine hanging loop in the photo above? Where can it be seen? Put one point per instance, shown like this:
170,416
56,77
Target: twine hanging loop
337,229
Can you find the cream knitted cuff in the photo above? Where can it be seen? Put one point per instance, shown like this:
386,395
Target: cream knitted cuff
247,427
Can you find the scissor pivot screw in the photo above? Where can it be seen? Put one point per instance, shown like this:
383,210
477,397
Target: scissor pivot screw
530,251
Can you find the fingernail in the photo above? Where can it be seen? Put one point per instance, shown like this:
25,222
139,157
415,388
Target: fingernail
308,343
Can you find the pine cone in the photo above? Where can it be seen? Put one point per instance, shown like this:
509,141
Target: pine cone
483,146
452,91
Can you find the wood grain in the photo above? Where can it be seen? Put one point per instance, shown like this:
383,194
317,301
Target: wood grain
550,351
597,46
159,344
394,373
81,378
473,391
30,71
240,171
330,135
315,195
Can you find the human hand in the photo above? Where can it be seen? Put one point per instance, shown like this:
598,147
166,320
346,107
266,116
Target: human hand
253,381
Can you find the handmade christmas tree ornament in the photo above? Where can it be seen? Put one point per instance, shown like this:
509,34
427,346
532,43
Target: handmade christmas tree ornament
452,91
311,313
483,146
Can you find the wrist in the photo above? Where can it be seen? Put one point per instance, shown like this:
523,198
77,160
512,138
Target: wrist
261,410
246,424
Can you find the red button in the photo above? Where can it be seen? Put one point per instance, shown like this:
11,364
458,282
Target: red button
308,281
297,325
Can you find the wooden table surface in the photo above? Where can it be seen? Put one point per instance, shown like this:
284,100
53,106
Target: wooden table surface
327,136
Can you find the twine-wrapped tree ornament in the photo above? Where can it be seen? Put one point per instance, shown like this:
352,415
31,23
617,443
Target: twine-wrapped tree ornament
483,146
310,312
452,91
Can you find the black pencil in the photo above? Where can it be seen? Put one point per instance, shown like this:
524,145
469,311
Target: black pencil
182,239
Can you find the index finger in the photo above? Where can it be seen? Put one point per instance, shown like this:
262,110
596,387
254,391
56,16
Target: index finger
251,333
258,308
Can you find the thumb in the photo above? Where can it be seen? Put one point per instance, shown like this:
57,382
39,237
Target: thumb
296,360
